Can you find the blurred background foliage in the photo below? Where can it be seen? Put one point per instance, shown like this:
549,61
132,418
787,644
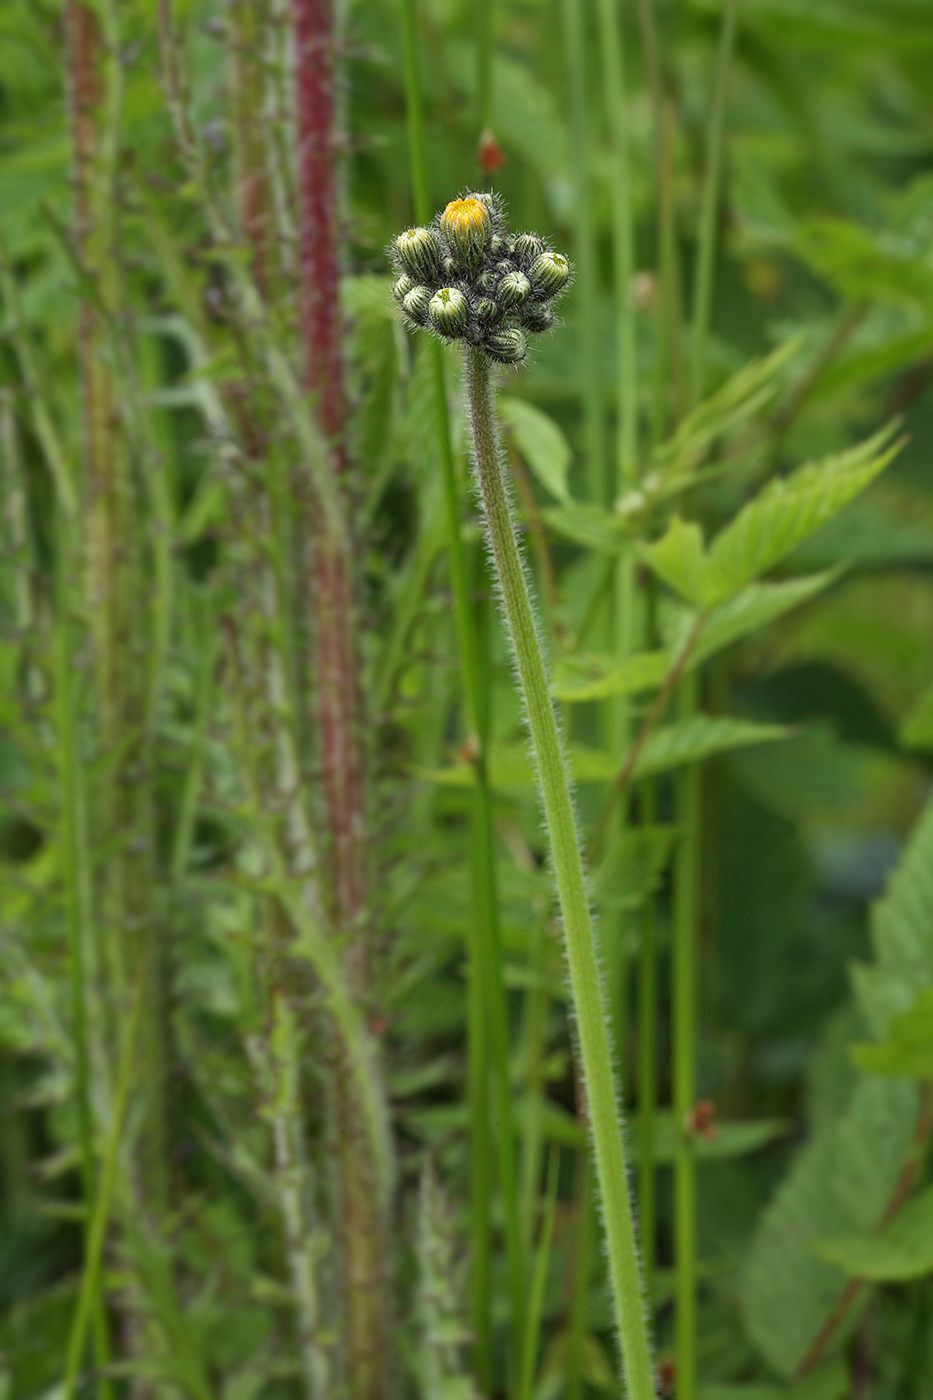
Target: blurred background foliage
824,243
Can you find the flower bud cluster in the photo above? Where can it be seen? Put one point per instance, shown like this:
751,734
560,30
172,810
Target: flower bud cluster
467,278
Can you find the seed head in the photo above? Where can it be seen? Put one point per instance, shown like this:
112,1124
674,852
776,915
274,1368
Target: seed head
467,225
513,289
448,312
507,345
549,273
418,252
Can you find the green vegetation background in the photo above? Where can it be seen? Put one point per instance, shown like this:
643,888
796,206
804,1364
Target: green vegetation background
825,245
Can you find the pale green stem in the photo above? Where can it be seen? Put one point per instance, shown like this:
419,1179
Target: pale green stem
684,1030
586,255
588,1004
703,283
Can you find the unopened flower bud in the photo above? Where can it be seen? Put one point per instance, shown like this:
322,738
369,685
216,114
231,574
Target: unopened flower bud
537,316
467,224
487,311
526,247
415,305
508,345
513,289
418,250
549,273
402,287
447,312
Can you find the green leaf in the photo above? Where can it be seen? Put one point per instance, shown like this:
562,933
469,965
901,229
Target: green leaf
595,677
841,1181
917,729
701,736
755,607
590,526
738,400
901,935
632,867
679,558
787,512
730,1140
828,1383
908,1050
867,266
902,1250
540,442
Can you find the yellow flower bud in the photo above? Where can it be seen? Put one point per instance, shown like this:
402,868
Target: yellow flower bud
467,225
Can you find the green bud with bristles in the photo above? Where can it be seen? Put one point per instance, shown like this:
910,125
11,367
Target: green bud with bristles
537,316
402,287
513,289
448,312
526,247
549,273
419,252
415,305
508,345
487,310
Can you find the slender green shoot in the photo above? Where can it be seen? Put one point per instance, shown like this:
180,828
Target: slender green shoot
684,1031
588,1002
89,1290
586,254
686,883
706,247
539,1280
488,1039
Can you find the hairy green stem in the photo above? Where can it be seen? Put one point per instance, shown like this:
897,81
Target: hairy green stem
568,869
488,1038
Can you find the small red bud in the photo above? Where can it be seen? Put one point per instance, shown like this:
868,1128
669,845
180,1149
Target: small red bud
490,155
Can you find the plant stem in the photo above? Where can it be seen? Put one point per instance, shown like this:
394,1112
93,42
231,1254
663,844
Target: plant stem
686,884
340,745
587,273
688,795
488,1038
571,889
703,277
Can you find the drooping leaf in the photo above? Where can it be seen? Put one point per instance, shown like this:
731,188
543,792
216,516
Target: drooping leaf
902,1250
540,442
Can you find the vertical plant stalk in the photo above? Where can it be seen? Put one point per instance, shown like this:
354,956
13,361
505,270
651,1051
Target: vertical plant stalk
339,731
568,869
488,1038
133,954
688,793
590,363
709,208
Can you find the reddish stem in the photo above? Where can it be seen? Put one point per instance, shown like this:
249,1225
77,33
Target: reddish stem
335,676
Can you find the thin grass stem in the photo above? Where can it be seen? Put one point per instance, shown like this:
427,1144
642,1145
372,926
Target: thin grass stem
586,253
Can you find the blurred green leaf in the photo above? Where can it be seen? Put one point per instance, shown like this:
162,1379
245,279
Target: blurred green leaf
902,1250
540,442
907,1051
